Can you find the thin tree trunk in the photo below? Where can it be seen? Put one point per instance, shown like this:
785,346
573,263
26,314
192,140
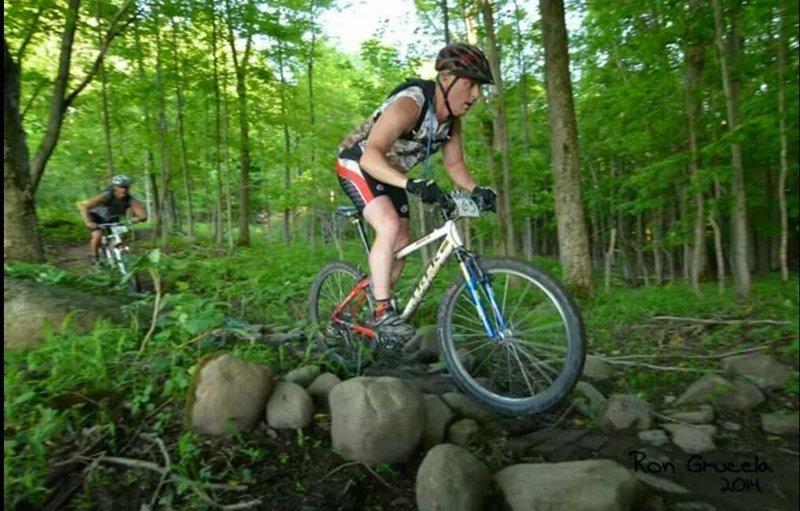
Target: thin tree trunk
640,261
104,95
610,259
718,250
784,243
572,235
181,135
728,58
151,194
658,243
217,131
163,145
287,175
500,144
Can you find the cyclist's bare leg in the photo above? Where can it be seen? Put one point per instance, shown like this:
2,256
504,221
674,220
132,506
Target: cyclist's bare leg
94,243
381,215
403,239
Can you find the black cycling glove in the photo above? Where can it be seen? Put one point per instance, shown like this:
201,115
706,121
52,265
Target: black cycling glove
428,191
485,198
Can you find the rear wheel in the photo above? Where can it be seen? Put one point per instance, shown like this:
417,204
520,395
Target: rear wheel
536,360
338,340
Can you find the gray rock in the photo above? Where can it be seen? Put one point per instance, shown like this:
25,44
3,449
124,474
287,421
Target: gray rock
731,426
464,406
654,437
450,477
597,369
713,389
693,506
466,358
660,484
597,401
762,370
424,345
781,424
439,417
464,432
228,391
703,415
303,376
692,439
289,407
377,420
320,389
588,485
624,412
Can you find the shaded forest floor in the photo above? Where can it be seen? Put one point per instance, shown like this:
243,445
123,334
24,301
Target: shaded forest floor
118,441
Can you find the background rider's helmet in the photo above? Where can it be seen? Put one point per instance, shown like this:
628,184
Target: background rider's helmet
121,180
466,61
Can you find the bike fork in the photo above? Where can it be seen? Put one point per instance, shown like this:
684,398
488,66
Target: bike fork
478,280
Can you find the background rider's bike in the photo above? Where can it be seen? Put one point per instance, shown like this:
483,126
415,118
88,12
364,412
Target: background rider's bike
510,334
116,256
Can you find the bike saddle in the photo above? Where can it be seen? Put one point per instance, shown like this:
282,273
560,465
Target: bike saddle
347,211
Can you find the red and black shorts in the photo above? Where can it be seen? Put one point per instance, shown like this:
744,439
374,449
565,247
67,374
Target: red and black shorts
363,188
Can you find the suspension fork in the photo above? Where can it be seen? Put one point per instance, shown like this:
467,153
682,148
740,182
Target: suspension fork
478,279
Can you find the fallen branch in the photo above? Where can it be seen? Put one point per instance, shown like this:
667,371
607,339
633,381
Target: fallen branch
371,471
706,321
660,368
340,467
719,355
564,415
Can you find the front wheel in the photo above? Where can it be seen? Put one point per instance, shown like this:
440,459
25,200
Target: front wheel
338,311
536,353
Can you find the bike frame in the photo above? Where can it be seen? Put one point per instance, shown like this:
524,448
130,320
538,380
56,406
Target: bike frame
474,277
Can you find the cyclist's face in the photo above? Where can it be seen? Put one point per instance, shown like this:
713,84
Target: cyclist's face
120,191
463,95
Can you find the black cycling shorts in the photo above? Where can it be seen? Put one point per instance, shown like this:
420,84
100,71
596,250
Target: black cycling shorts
363,188
97,219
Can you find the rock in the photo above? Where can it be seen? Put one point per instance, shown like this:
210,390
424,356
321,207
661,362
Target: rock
703,415
289,407
226,388
739,394
464,432
597,401
781,424
320,389
597,369
654,437
588,485
624,412
439,417
450,477
32,310
303,376
762,370
692,439
731,426
659,483
377,420
693,506
464,406
466,358
424,345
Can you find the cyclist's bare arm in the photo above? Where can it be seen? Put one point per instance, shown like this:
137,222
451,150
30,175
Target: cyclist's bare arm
86,205
397,119
454,159
139,214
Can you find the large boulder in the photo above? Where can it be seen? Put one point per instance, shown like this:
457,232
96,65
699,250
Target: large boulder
451,477
739,394
227,391
377,419
588,485
31,310
761,369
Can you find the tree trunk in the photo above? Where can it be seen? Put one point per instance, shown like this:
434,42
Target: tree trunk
181,135
610,259
658,244
104,95
784,145
500,122
151,195
718,250
241,69
217,131
287,174
572,236
728,58
163,144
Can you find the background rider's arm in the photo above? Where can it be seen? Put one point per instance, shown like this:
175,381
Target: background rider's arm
139,214
454,159
86,205
398,118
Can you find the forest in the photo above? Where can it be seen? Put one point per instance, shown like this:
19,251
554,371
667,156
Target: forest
644,152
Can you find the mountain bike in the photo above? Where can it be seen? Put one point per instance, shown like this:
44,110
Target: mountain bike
115,255
512,337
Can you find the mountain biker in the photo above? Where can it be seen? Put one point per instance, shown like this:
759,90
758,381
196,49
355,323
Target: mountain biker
108,207
418,118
